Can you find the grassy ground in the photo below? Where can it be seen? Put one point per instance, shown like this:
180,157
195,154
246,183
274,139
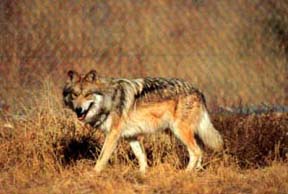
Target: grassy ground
46,150
160,179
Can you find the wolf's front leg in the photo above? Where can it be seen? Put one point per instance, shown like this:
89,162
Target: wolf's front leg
139,152
107,149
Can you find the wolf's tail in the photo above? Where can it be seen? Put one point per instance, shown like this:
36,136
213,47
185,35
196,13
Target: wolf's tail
208,134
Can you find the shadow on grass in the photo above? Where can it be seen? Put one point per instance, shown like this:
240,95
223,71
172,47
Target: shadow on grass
70,149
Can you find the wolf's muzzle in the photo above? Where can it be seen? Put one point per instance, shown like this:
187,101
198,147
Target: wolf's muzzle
79,111
82,112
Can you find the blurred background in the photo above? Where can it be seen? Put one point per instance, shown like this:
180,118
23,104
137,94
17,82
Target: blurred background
235,51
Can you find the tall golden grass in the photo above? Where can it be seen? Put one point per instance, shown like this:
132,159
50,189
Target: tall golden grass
44,148
236,52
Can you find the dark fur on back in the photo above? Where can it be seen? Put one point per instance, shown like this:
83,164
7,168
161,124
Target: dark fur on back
157,89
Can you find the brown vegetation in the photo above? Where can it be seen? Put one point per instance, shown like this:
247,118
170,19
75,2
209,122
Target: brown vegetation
238,47
236,52
47,150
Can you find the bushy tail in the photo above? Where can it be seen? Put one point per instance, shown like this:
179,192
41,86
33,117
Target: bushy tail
208,134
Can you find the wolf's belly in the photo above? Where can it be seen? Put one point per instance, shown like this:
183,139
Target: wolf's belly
138,125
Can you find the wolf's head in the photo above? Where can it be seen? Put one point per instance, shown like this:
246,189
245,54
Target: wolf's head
86,95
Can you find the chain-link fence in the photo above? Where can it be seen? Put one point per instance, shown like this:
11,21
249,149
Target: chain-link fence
235,51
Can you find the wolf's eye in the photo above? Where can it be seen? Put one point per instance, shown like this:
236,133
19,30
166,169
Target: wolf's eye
88,94
74,95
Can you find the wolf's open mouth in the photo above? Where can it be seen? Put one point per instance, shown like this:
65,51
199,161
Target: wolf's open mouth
83,115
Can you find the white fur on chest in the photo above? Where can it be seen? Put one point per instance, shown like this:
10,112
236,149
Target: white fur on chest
107,124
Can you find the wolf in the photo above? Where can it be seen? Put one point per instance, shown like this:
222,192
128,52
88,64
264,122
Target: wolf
129,108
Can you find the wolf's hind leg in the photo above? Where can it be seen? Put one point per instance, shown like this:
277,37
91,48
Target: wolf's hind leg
195,158
185,134
139,152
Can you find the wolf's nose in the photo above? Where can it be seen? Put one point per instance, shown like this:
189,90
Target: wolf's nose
78,111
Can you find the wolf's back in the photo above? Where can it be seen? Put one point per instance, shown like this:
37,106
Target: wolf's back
208,134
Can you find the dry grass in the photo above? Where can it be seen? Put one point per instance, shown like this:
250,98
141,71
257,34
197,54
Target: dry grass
236,52
160,179
46,150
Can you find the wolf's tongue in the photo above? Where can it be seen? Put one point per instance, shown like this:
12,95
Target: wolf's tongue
82,117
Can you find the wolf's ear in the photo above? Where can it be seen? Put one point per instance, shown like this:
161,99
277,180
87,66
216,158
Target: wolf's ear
73,76
91,76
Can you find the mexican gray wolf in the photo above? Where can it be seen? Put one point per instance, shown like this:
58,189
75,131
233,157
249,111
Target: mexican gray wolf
128,108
